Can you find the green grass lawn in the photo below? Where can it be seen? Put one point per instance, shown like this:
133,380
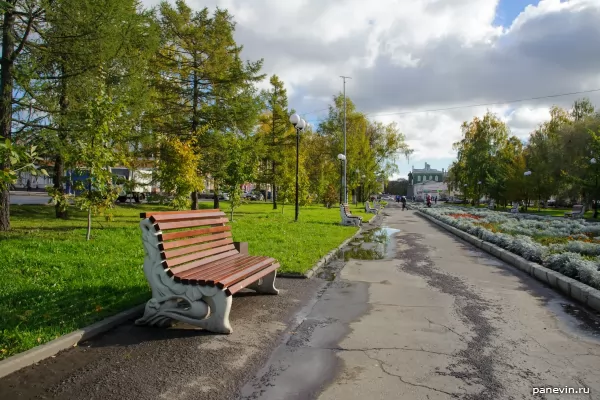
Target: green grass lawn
52,281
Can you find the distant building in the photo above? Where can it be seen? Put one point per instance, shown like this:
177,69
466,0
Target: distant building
439,189
427,181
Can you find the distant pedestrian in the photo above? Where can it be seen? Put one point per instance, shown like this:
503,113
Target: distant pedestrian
403,203
28,185
435,199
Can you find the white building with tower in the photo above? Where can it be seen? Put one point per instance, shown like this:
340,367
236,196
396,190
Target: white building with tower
422,182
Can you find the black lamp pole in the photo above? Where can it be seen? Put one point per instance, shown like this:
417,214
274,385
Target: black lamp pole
596,195
300,125
297,163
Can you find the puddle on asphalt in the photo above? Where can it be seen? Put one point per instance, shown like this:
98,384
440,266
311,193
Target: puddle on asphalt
373,244
587,321
578,318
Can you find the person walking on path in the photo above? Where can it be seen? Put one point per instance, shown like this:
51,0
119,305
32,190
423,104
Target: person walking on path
28,185
403,203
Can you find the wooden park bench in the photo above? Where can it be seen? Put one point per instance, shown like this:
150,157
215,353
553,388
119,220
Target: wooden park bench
348,218
369,209
194,267
577,212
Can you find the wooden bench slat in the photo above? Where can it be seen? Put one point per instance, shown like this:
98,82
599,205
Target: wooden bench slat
197,263
185,216
231,278
197,240
204,278
145,215
216,274
236,287
195,232
172,262
194,274
180,251
163,226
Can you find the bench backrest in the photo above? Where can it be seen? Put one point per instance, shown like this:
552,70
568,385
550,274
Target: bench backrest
577,208
347,210
189,239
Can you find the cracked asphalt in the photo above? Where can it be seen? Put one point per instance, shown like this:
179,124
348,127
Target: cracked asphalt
436,319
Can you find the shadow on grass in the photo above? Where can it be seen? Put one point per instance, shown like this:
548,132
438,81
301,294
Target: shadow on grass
30,317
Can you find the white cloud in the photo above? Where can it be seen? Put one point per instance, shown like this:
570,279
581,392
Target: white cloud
406,55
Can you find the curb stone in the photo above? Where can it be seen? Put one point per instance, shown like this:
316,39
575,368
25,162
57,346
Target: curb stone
47,350
569,287
329,256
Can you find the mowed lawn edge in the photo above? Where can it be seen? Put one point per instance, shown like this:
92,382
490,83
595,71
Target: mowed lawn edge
52,281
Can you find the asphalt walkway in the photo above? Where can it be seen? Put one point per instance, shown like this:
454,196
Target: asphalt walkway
435,319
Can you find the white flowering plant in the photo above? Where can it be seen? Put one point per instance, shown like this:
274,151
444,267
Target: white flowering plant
568,246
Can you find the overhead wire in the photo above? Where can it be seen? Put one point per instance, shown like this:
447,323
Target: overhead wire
313,121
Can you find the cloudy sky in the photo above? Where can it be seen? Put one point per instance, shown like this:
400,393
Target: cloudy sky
407,57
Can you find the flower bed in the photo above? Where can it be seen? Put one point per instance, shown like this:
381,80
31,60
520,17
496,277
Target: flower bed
568,246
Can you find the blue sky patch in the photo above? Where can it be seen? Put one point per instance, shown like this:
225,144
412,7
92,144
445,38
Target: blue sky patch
508,10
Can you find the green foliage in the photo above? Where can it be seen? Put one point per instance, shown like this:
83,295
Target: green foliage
95,155
558,154
177,171
487,154
17,159
241,166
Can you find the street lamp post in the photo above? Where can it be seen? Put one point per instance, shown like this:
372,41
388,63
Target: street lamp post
594,162
527,173
356,190
362,189
300,125
345,189
478,192
342,159
465,192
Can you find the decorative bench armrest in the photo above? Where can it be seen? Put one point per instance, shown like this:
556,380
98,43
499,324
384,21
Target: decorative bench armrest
242,247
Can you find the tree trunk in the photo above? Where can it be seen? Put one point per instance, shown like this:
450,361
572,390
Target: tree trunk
195,120
274,189
195,200
89,224
215,200
6,98
5,210
59,164
59,172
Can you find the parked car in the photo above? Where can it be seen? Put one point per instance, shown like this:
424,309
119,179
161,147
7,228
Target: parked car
254,195
211,195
